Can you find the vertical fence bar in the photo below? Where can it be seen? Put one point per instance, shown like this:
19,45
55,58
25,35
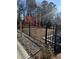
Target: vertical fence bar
46,35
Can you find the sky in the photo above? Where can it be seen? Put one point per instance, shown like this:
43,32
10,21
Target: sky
57,2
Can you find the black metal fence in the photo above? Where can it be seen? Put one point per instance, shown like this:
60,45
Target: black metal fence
54,39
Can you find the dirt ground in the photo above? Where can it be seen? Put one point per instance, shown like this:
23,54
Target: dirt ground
37,33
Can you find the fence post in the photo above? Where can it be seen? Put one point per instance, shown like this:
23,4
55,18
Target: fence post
46,35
